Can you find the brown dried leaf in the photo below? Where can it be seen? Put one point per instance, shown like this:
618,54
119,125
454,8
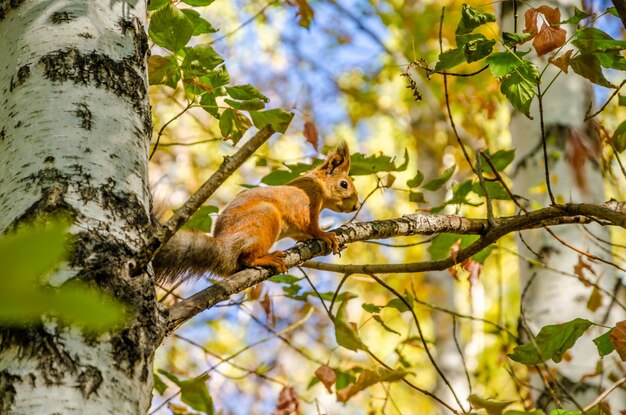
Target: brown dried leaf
266,304
530,20
389,180
327,376
577,153
618,339
552,15
562,62
578,270
311,134
474,269
454,250
548,39
255,292
288,402
368,378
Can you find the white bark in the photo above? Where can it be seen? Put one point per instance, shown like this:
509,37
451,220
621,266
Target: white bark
552,297
74,126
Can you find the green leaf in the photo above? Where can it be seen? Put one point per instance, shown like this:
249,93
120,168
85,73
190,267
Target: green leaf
157,4
565,412
612,60
345,334
27,257
476,49
503,63
435,184
619,137
495,189
159,385
621,100
284,279
449,59
279,177
500,160
415,181
603,343
492,407
239,125
592,40
198,3
588,66
245,92
170,28
162,70
551,342
440,246
278,119
361,165
343,379
226,122
194,392
399,305
513,39
417,197
209,104
577,17
249,105
201,220
200,25
471,19
519,87
612,10
200,59
216,78
535,412
371,308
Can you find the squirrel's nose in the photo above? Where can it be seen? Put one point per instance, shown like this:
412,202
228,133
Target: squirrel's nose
356,206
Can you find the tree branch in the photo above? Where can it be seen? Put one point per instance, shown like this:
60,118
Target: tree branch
612,212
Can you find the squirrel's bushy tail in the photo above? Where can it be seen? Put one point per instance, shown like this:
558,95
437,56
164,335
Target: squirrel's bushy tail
191,254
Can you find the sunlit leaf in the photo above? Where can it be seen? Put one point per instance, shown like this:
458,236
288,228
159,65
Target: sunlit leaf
200,59
368,378
500,160
471,19
495,189
200,25
162,70
477,49
519,87
492,406
198,3
618,339
249,105
159,385
619,137
415,181
284,279
592,40
578,16
551,343
361,165
513,39
170,28
449,59
278,119
502,63
436,184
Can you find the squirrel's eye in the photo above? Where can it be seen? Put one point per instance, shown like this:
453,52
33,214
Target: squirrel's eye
343,184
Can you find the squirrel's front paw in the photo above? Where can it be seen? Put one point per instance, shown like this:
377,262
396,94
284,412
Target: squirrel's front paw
331,240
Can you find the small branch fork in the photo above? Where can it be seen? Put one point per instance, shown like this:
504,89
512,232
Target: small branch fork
612,212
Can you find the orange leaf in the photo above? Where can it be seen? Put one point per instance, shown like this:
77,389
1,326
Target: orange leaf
530,20
578,270
310,133
552,15
327,376
618,338
562,62
548,39
266,303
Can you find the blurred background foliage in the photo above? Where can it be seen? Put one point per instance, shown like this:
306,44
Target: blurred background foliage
338,65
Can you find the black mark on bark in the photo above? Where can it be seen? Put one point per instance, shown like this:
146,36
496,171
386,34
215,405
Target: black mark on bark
122,77
3,134
85,115
85,35
6,6
61,17
89,380
18,79
7,391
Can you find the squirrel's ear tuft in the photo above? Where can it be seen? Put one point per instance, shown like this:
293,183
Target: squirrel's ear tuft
338,159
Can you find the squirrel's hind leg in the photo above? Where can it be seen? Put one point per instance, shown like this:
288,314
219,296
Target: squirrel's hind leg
273,259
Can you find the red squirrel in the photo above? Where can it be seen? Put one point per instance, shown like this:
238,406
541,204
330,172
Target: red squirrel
248,227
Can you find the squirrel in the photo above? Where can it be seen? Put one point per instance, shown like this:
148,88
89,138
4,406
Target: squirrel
248,227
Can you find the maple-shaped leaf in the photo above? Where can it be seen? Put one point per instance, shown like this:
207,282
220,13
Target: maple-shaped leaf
562,62
545,37
618,339
327,375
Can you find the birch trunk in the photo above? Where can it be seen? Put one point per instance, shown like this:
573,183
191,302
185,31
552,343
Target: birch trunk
553,294
74,126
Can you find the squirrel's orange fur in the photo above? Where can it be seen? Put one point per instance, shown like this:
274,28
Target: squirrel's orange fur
248,227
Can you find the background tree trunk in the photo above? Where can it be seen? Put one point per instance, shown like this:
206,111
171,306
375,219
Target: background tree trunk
553,294
74,128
